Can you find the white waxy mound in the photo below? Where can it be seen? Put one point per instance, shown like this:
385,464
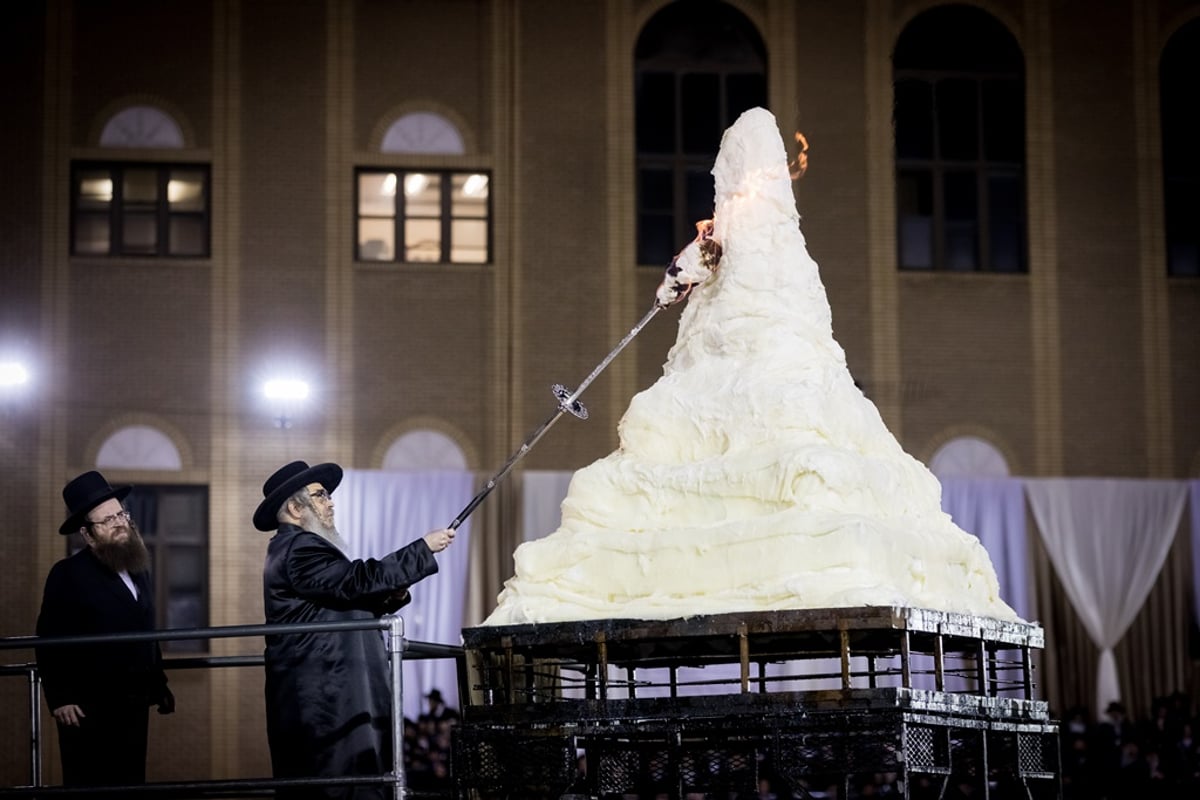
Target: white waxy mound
753,475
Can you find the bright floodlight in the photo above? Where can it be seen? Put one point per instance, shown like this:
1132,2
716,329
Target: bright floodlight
13,373
285,390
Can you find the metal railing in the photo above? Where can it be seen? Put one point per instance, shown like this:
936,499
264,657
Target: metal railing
398,649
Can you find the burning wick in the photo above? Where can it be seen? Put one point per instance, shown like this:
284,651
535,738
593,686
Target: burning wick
692,265
797,167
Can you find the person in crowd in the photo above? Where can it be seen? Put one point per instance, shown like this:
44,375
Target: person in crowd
100,694
328,694
438,710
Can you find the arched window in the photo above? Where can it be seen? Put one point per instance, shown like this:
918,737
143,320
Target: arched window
424,449
1181,158
415,214
143,127
698,65
139,447
140,208
960,143
968,457
423,132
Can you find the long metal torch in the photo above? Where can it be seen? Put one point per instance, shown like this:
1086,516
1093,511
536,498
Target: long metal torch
568,403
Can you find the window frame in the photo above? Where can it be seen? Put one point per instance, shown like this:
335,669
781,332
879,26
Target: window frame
445,217
118,208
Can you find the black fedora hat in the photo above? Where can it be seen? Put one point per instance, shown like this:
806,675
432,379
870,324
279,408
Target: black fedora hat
84,493
288,480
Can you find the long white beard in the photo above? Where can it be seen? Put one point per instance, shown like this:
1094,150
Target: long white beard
310,521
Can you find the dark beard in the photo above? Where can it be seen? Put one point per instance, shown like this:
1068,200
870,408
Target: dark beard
130,556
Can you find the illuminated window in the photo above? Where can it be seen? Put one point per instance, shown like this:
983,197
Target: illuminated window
1181,158
960,144
698,66
432,216
139,209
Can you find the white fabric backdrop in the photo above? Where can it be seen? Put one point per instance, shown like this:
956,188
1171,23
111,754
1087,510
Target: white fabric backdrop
542,493
1194,487
379,512
1107,539
993,509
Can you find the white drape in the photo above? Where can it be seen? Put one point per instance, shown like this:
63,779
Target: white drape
1194,491
542,493
993,509
1107,540
379,512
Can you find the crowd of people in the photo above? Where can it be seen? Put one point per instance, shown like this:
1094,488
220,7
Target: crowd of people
427,746
1116,758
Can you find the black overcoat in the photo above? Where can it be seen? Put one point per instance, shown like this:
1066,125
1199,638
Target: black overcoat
83,596
328,694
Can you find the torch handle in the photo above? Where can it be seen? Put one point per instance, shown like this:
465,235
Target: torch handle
567,402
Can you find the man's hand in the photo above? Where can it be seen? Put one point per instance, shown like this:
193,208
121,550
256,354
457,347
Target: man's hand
69,715
439,540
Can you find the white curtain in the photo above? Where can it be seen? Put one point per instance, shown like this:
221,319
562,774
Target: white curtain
1194,491
379,512
1107,540
542,493
993,509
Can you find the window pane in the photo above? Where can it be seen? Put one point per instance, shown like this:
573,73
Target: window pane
139,233
91,234
377,194
186,610
962,221
95,189
701,114
915,208
468,241
657,190
914,119
957,119
1006,248
656,239
187,236
469,195
745,91
656,112
140,187
700,192
376,240
422,240
1003,121
422,195
185,191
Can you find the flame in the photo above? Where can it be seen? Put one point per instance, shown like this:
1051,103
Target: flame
797,166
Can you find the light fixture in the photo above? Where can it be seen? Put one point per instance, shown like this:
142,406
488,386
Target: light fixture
475,185
285,389
13,373
388,187
415,183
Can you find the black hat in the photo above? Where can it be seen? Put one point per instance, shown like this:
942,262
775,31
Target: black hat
288,480
435,695
85,493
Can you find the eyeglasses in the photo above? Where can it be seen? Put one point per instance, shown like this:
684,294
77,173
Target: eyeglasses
320,494
111,519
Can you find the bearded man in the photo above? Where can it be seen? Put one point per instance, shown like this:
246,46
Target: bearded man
329,694
100,694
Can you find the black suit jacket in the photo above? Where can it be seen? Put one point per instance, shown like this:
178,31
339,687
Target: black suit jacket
83,596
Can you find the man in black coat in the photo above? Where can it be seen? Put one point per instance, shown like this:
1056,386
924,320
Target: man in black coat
329,694
100,694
